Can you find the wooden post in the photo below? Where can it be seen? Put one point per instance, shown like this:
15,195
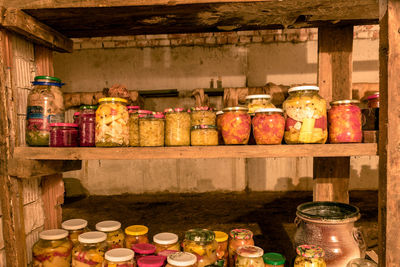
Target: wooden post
44,61
53,198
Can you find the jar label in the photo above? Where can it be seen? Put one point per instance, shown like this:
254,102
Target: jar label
35,112
56,118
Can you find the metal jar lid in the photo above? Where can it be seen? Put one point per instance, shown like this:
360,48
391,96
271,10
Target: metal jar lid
345,102
235,109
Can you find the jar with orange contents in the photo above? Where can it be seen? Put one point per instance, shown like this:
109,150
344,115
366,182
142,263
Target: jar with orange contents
136,234
238,238
222,250
236,125
269,126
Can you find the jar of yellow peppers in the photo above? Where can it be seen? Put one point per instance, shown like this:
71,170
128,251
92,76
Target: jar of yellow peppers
202,243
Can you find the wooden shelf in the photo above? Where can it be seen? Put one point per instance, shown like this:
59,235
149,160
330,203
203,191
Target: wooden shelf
196,152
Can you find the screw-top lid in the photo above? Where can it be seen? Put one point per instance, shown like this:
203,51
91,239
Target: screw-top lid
346,101
250,251
143,111
48,78
200,235
182,259
241,234
88,107
74,224
144,248
77,113
159,116
373,96
219,112
258,97
274,258
165,238
113,99
53,234
220,236
108,226
119,255
92,237
304,88
235,109
196,127
266,110
151,261
170,110
62,124
136,230
310,251
201,108
133,107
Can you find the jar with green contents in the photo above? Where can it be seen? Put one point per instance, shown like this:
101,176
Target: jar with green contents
274,260
75,227
249,256
204,135
133,125
201,242
115,235
177,127
309,256
202,116
151,130
90,251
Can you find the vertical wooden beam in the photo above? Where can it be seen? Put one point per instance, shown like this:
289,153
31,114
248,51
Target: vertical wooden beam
53,198
44,61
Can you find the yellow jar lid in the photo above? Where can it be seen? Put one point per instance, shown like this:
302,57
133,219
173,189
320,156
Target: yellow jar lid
136,230
113,99
220,236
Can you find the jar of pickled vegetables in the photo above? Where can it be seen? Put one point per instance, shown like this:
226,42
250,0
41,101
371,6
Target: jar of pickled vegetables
166,241
133,125
238,238
112,122
219,127
136,234
177,127
249,256
274,260
53,249
119,257
201,242
63,135
255,102
373,100
345,125
90,250
309,256
151,261
143,249
202,116
76,117
222,250
204,135
87,126
268,126
75,227
151,130
115,235
236,126
181,259
306,121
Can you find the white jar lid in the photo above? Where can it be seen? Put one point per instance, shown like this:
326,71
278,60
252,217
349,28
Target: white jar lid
304,88
53,234
92,237
220,112
165,238
182,259
108,226
74,224
119,254
258,96
250,251
261,110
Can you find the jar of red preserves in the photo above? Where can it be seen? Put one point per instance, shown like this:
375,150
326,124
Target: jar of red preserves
87,126
345,122
236,125
268,126
63,134
239,238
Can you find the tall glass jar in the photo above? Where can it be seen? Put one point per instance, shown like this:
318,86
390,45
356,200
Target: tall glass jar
119,257
90,251
166,241
177,127
133,125
239,238
87,126
345,124
306,121
181,259
219,127
236,125
202,116
75,227
45,106
309,256
255,102
136,234
151,130
53,249
201,242
268,126
222,250
272,259
115,235
249,256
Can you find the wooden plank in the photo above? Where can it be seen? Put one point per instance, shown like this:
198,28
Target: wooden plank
44,61
35,168
53,198
370,136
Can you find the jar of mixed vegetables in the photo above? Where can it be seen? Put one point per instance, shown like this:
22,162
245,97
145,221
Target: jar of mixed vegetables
151,261
268,126
201,242
115,235
63,135
236,125
274,260
181,259
133,124
222,250
75,227
202,116
219,127
305,112
255,102
204,135
151,129
112,122
309,256
119,257
238,238
249,256
177,127
90,250
136,234
87,126
53,249
166,241
345,124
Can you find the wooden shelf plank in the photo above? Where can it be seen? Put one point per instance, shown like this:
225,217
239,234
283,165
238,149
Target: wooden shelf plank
23,168
195,152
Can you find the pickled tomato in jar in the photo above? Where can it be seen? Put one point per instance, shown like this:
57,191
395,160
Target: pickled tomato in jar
268,126
345,125
236,126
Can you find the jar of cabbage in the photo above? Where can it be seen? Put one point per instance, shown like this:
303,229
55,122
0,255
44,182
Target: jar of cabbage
203,116
75,227
201,242
255,102
166,241
309,256
151,130
177,127
204,135
90,250
249,256
119,257
115,235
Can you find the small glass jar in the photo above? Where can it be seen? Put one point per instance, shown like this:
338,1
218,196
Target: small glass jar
204,135
115,235
151,261
166,241
75,227
274,260
219,127
309,256
249,256
151,130
119,257
76,117
63,135
255,102
373,100
345,125
181,259
201,242
87,126
305,112
53,249
112,123
202,116
143,250
90,250
133,125
177,127
238,238
268,126
236,126
222,250
136,234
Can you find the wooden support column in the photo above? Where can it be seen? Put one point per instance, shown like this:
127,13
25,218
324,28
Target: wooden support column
44,61
335,66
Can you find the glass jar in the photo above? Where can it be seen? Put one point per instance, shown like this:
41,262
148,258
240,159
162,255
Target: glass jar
119,257
204,135
201,242
166,241
255,102
75,227
45,106
143,249
63,135
249,256
76,117
90,250
305,112
238,238
202,116
87,125
115,235
136,234
373,100
309,256
268,126
177,127
222,250
236,126
53,249
133,125
151,261
181,259
151,130
345,124
274,260
112,123
219,127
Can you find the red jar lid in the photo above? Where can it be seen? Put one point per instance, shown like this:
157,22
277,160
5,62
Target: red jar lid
142,111
133,107
59,124
77,113
374,96
145,248
159,116
151,261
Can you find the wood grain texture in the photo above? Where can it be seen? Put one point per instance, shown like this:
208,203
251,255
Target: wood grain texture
44,61
53,198
35,168
370,136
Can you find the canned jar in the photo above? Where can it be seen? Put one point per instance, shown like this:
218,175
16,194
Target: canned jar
306,121
133,125
45,105
201,242
222,250
112,123
143,250
345,125
309,256
151,130
90,250
76,117
119,257
219,127
63,135
249,256
202,116
87,126
75,227
151,261
236,126
373,100
238,238
177,127
255,102
268,126
53,249
181,259
115,235
166,241
274,260
136,234
204,135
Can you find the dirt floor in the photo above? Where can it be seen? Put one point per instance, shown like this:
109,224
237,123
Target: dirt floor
269,215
